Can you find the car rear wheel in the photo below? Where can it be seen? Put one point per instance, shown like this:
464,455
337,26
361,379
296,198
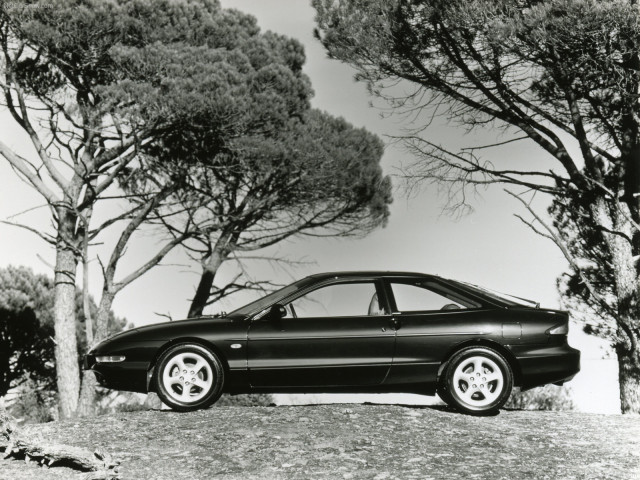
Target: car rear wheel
189,377
478,381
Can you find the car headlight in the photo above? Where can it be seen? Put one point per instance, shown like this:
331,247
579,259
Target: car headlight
110,359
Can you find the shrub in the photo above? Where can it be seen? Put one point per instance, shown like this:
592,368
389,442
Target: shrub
33,404
549,397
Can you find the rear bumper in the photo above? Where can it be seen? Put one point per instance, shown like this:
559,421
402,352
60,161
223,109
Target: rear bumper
129,376
540,365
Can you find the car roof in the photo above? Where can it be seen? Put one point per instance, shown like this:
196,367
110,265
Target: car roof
371,273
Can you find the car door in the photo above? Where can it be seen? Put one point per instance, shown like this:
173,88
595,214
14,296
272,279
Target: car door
432,317
335,334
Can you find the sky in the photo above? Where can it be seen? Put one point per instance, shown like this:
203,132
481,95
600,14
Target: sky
489,246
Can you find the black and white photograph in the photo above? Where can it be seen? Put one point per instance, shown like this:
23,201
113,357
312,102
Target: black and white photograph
319,239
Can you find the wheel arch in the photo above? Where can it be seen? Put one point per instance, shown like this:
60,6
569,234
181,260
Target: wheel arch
482,342
151,387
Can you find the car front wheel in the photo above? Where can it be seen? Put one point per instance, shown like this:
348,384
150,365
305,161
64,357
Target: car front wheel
189,377
478,380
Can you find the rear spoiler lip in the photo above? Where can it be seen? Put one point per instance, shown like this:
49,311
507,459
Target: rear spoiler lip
533,302
555,311
565,314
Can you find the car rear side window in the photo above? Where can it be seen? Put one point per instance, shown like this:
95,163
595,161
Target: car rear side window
338,300
428,296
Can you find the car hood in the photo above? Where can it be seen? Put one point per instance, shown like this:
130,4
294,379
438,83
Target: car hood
166,330
181,324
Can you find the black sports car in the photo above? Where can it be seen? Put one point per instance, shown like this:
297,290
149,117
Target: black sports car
349,332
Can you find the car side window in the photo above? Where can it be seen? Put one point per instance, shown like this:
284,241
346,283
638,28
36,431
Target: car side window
419,297
338,300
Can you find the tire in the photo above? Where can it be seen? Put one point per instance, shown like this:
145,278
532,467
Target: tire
189,377
442,391
478,381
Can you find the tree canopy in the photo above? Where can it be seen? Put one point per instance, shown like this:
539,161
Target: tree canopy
317,175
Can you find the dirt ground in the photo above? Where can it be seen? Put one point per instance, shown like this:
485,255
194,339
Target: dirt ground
379,442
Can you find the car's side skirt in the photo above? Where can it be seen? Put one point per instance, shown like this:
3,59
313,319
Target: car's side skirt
422,373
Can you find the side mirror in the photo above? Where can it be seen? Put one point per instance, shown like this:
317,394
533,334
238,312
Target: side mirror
277,312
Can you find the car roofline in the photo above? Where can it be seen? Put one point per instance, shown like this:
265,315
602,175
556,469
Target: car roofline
372,273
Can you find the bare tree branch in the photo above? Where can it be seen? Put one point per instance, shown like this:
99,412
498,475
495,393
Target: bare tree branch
47,238
553,236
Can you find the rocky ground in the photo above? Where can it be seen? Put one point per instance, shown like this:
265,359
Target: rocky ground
349,442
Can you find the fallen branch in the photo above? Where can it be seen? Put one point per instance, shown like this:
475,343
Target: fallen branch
15,445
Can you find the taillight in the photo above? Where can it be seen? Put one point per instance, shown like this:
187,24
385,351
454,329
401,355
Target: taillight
562,329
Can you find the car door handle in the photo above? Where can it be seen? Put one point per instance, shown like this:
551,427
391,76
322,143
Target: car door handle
395,323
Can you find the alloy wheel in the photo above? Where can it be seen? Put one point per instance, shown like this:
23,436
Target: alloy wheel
187,377
478,381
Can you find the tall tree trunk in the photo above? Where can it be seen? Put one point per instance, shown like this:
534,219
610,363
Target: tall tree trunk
628,275
626,279
87,400
66,351
629,377
87,403
203,292
102,316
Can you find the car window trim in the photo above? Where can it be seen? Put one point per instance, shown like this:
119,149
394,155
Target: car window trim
392,300
377,282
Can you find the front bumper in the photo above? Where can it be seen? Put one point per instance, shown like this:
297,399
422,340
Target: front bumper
541,365
88,361
129,376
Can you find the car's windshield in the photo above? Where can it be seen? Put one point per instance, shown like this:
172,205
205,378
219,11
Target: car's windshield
505,298
270,299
